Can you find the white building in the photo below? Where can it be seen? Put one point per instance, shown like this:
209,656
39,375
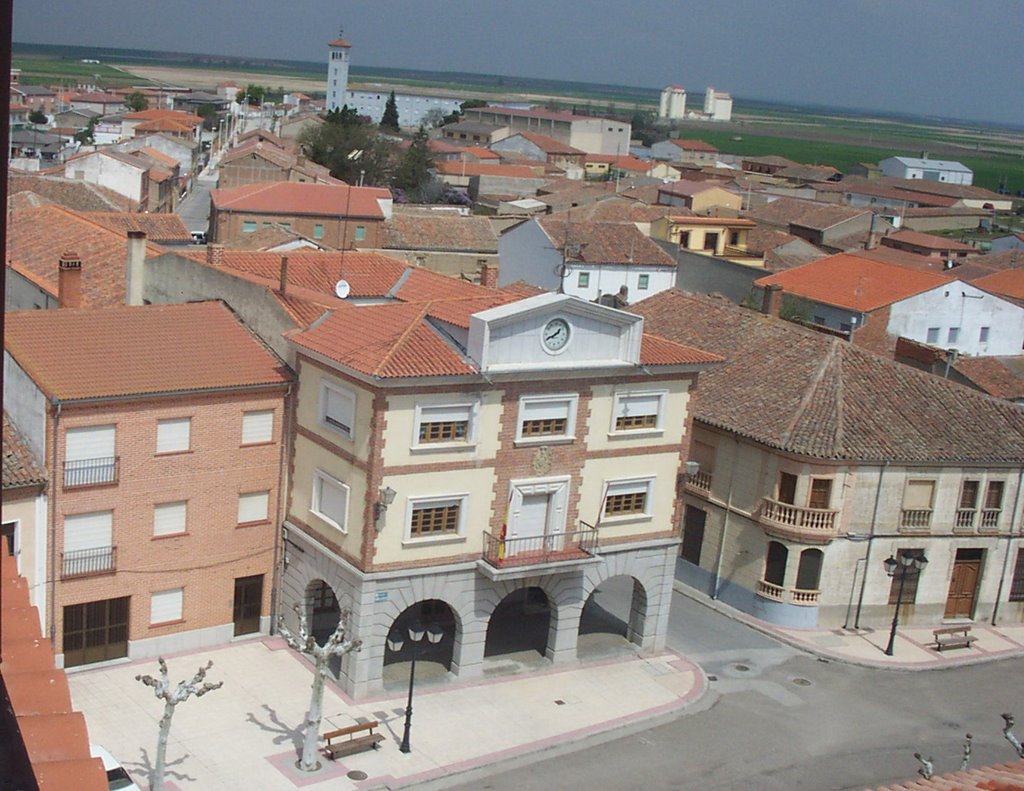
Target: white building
413,109
927,170
673,103
337,73
717,105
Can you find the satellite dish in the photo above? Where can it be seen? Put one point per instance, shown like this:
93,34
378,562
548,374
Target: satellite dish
342,289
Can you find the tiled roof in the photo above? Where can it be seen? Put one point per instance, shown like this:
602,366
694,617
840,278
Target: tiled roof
93,353
460,168
605,243
808,214
1007,259
854,283
164,159
1008,283
439,231
37,237
160,227
21,468
536,112
282,197
929,241
885,188
159,115
270,236
688,189
548,144
771,160
71,193
615,209
998,777
481,153
997,376
803,392
694,145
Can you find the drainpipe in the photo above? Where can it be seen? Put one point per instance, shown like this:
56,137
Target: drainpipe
54,474
725,522
1009,542
282,502
871,541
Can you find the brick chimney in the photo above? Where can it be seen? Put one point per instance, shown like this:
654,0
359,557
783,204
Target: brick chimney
284,274
488,275
69,280
215,254
135,271
771,300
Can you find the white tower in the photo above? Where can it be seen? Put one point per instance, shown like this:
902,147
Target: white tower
337,73
673,103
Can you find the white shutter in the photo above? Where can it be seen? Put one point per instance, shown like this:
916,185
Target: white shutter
918,496
646,404
253,507
88,531
92,442
257,427
338,409
172,436
166,606
628,487
331,499
545,410
445,414
169,518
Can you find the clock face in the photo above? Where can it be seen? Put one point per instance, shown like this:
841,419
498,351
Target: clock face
555,335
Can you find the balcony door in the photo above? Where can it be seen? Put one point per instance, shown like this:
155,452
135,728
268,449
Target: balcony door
537,517
963,584
248,603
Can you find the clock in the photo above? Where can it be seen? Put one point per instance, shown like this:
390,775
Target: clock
555,335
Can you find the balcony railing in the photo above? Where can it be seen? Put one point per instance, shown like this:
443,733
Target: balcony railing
91,472
965,517
699,482
798,523
916,518
536,550
770,590
805,598
990,517
86,562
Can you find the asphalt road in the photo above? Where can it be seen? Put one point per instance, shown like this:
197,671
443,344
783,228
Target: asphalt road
775,718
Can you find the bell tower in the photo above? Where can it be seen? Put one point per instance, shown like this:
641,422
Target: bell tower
337,72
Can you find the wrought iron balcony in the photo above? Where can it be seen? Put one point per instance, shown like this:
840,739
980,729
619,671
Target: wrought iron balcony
88,562
91,472
808,525
530,551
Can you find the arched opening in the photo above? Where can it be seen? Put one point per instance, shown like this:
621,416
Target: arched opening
808,573
613,617
322,610
519,624
433,661
775,563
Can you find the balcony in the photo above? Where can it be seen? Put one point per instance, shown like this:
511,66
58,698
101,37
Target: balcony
793,522
88,562
964,519
699,483
516,557
804,598
990,518
915,520
91,472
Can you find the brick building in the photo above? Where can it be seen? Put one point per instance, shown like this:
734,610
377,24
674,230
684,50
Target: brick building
161,431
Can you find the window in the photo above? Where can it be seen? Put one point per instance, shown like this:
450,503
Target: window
249,226
953,335
917,504
628,498
1017,585
808,572
933,335
166,606
337,408
993,504
318,231
253,507
322,599
258,427
912,577
88,543
9,535
819,319
169,519
360,233
821,493
734,237
968,503
693,534
684,239
787,488
636,411
983,335
583,280
173,436
330,500
445,423
89,456
436,517
547,417
775,563
643,282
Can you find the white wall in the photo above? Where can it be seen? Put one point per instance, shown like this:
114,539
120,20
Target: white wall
526,253
412,108
108,172
607,278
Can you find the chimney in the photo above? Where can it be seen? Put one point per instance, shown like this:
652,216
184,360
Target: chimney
69,281
488,274
135,272
771,300
300,160
284,274
215,254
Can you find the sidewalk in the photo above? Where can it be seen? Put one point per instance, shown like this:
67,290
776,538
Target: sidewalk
245,735
913,649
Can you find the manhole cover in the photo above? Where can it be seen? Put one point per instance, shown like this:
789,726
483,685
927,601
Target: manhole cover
559,702
741,668
356,774
712,678
801,682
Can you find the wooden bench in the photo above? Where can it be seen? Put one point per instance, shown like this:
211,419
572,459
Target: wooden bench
354,743
953,637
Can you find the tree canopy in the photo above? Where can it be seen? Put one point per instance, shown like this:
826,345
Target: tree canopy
350,148
412,175
136,102
389,121
253,95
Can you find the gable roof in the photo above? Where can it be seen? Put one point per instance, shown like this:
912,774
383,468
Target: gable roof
439,231
548,144
21,468
1007,283
802,392
930,164
808,214
200,346
604,243
694,145
464,168
928,241
688,189
70,193
284,197
158,226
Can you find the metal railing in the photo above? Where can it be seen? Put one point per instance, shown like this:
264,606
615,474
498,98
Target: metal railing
86,562
533,550
91,472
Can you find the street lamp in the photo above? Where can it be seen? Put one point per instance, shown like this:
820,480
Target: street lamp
904,565
395,643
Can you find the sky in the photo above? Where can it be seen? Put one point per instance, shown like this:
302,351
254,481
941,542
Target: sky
948,58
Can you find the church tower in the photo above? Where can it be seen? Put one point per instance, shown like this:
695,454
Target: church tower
337,73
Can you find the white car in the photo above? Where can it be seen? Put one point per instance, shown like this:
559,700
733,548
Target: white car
117,778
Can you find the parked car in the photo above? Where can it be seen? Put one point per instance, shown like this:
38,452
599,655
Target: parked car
118,778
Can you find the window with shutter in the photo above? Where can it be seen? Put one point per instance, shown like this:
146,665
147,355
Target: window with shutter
337,409
444,424
258,427
89,456
637,411
436,517
330,500
88,544
917,504
169,519
1017,585
253,507
547,417
628,498
166,606
173,436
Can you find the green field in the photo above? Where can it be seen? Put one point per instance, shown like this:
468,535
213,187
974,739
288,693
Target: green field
42,70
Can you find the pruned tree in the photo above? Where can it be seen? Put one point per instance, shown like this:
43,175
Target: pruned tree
1010,737
389,120
171,698
338,644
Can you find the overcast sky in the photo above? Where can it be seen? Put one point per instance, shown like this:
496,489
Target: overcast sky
952,58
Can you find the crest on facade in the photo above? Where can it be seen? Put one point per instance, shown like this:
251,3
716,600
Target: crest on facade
542,460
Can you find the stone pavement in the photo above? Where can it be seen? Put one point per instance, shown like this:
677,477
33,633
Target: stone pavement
245,735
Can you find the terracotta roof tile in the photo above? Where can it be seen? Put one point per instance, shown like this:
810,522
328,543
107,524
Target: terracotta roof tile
808,214
998,777
927,240
457,168
368,274
802,392
200,346
439,231
1007,283
70,193
158,227
21,468
282,197
548,144
605,243
993,375
694,145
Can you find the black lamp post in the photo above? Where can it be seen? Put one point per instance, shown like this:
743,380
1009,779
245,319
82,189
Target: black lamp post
903,566
395,643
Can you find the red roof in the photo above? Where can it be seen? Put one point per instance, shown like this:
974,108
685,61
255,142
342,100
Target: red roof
1008,283
695,145
282,197
928,241
339,42
854,283
548,144
484,169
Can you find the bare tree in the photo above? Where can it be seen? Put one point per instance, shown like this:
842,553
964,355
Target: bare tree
171,698
338,644
1008,733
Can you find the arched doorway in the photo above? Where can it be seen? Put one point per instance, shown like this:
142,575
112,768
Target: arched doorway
433,661
519,624
613,617
323,614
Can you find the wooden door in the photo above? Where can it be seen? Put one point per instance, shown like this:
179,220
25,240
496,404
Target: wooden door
963,586
95,632
248,603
